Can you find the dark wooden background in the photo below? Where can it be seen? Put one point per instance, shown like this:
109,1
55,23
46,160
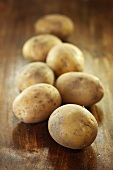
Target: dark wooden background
29,146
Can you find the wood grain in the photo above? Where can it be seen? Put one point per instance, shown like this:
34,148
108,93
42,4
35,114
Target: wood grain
29,146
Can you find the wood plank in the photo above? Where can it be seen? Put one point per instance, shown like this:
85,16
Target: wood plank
29,146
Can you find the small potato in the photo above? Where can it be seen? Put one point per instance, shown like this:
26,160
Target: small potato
64,58
36,103
80,88
34,73
57,24
73,126
37,47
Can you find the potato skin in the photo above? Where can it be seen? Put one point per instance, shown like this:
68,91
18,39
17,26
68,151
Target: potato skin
34,73
60,25
80,88
37,47
64,58
36,103
73,126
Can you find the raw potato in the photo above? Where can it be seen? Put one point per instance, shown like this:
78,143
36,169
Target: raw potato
64,58
73,126
36,103
57,24
37,47
80,88
34,73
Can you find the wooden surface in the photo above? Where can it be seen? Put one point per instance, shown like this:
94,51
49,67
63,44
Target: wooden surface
29,146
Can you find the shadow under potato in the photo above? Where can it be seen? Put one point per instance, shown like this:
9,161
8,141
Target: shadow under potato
35,138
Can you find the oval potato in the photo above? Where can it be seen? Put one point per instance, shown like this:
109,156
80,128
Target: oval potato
57,24
64,58
34,73
80,88
36,103
36,48
73,126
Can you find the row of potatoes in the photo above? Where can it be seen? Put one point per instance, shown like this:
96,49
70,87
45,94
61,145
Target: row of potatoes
54,87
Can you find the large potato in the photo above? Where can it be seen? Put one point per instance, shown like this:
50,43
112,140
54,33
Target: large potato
80,88
34,73
73,126
36,48
57,24
64,58
36,103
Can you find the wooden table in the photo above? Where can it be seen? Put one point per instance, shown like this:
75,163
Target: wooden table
29,146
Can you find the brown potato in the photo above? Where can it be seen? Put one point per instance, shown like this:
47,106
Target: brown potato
73,126
57,24
34,73
36,48
36,103
80,88
64,58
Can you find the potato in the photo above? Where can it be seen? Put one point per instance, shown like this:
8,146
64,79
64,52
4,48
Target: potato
36,103
57,24
37,47
64,58
73,126
80,88
34,73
